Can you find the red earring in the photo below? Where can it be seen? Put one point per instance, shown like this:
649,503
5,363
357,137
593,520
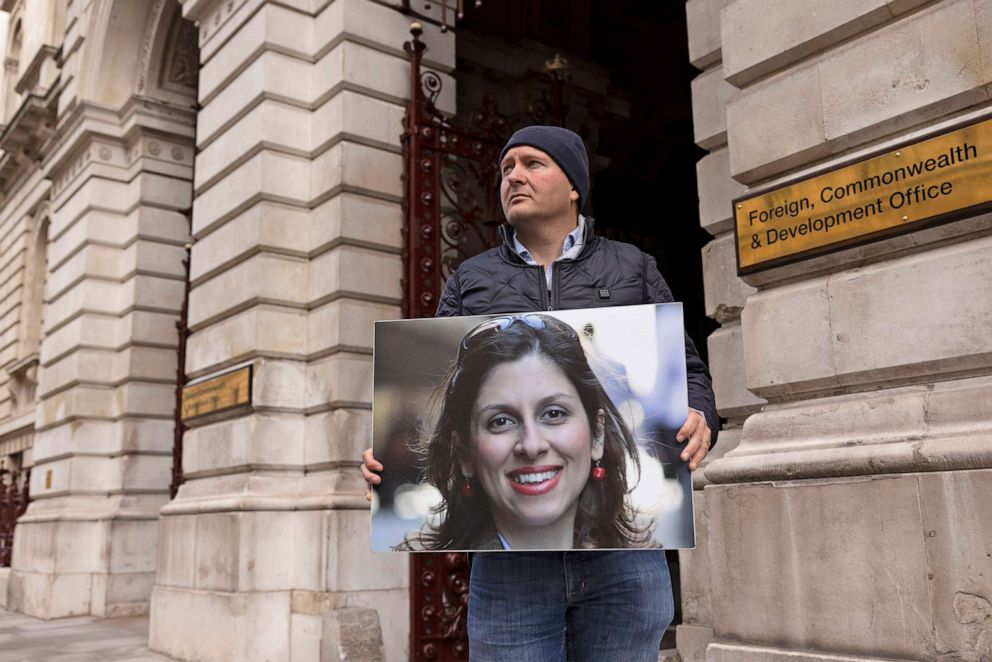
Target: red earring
598,472
467,490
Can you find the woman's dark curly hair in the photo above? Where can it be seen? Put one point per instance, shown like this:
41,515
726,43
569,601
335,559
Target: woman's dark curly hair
604,518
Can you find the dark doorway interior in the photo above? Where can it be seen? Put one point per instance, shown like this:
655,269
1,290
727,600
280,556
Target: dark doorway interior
644,177
638,128
648,193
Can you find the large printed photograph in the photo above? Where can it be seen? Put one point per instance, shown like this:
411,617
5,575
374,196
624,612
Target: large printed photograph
537,431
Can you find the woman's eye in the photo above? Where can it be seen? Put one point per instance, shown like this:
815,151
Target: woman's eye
499,423
555,414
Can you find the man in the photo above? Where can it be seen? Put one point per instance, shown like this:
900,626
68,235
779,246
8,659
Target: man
583,606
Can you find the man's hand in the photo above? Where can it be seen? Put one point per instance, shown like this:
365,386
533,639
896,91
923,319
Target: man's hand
369,468
697,432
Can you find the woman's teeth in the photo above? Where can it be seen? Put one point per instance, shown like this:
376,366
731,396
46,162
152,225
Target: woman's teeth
539,477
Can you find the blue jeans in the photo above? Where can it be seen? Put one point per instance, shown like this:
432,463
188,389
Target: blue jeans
576,606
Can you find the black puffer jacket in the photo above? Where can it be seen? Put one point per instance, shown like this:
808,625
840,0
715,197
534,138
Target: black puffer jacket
606,273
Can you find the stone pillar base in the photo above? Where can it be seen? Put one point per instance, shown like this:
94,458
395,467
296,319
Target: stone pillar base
692,640
236,582
740,653
4,577
191,624
351,634
74,567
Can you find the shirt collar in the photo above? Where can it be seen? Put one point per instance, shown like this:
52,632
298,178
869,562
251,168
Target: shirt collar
570,248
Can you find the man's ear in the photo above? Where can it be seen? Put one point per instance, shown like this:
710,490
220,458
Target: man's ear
464,461
599,438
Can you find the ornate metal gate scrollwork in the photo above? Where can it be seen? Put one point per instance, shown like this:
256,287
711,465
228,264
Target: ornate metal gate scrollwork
439,606
13,502
451,203
450,213
446,7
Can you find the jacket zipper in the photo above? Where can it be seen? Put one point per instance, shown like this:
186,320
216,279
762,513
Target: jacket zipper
545,295
554,287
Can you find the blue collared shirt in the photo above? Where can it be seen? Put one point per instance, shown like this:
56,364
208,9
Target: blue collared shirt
570,248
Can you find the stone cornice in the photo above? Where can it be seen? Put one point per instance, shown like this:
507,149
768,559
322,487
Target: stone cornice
955,453
262,502
29,78
87,120
898,430
23,137
19,131
16,427
195,10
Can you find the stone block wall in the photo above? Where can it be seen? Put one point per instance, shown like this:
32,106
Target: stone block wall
113,290
102,185
725,298
22,222
296,228
24,214
849,498
832,95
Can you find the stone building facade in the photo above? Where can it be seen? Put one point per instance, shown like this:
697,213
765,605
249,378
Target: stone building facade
843,515
846,523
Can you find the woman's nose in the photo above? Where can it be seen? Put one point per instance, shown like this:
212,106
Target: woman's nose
531,443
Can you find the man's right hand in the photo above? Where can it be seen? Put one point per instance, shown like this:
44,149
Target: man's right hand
370,469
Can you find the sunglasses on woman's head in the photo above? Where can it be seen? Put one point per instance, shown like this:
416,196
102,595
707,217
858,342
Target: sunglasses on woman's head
499,324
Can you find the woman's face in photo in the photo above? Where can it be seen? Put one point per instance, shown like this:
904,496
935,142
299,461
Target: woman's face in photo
532,445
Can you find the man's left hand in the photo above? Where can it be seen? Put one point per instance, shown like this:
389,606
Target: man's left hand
697,432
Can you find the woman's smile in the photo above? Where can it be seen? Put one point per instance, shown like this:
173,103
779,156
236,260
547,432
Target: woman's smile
534,480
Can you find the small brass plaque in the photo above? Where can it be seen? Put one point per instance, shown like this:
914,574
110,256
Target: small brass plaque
934,180
219,393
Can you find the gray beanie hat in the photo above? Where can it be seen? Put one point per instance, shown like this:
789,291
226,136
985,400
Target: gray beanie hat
562,145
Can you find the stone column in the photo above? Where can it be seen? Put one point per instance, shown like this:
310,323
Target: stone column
264,554
725,296
846,525
120,185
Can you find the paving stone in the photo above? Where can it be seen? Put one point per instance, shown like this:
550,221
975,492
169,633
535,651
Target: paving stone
26,639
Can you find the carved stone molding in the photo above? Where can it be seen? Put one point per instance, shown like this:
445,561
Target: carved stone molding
90,129
182,66
24,136
209,15
169,54
23,382
148,43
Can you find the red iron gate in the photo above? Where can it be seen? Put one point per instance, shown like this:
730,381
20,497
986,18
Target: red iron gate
451,203
451,212
13,502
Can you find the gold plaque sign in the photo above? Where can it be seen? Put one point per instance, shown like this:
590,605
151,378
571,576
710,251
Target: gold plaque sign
935,180
219,393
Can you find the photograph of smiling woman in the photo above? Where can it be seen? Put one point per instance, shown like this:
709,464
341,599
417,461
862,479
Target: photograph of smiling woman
528,451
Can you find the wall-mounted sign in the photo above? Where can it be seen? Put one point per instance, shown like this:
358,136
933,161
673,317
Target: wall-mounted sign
900,190
226,391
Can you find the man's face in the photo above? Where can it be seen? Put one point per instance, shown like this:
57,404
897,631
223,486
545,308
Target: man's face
534,187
